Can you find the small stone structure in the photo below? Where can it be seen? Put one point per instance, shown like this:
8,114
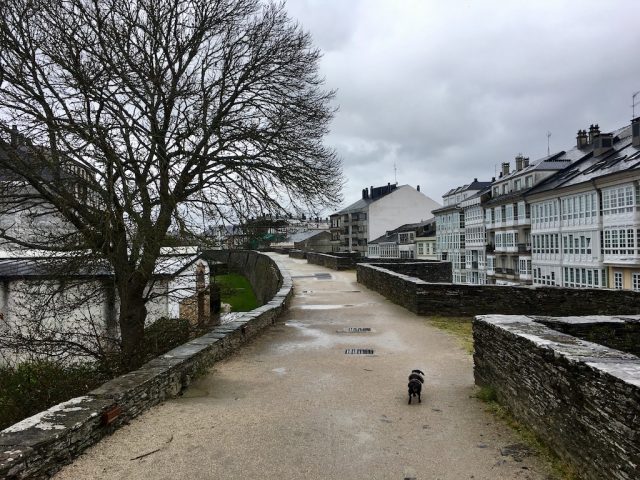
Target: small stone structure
447,299
334,261
349,261
299,254
38,446
582,398
619,333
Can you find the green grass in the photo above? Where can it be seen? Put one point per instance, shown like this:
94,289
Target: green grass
561,469
460,327
236,291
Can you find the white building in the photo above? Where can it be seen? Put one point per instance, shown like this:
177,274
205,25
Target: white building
508,216
586,219
380,209
415,240
39,299
451,230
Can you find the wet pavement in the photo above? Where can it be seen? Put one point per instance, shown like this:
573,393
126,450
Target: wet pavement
318,396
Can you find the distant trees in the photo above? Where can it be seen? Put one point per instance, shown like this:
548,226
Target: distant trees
146,115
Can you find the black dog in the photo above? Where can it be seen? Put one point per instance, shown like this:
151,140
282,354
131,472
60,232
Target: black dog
415,384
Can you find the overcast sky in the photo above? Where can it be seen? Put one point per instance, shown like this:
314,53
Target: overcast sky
448,90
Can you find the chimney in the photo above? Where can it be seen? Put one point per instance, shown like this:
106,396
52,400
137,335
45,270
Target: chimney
594,131
418,188
365,193
525,162
505,169
519,162
493,179
635,132
602,143
582,140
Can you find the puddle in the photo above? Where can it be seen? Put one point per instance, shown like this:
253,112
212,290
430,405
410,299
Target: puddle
328,306
314,338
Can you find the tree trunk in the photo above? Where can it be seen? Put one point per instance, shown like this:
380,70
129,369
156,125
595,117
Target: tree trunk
133,313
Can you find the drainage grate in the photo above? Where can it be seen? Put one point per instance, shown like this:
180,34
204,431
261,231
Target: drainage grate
322,276
358,329
358,351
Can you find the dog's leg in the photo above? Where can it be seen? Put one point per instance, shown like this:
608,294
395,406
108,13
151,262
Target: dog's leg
409,399
419,399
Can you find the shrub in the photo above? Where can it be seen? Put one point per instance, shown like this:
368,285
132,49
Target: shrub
34,386
165,334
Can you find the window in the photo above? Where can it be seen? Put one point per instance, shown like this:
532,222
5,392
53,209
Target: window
635,278
617,280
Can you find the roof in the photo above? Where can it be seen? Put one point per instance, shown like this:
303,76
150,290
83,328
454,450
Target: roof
392,235
373,195
302,236
66,267
475,185
623,156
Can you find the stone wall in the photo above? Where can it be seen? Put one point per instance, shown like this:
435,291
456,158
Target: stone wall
429,271
348,261
619,333
583,399
446,299
333,261
261,270
299,254
38,446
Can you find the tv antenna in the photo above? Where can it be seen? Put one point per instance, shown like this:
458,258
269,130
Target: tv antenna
633,104
548,137
395,173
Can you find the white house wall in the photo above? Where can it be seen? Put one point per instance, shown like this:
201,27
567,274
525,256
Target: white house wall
403,205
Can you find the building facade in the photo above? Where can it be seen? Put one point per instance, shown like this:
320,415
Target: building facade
403,242
380,209
451,229
586,219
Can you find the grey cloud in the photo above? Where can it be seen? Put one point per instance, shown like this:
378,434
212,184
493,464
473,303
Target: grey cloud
449,90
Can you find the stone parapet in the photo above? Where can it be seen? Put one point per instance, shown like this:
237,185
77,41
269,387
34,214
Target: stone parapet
298,254
40,445
582,398
447,299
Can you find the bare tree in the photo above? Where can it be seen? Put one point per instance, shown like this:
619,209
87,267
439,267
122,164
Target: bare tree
147,114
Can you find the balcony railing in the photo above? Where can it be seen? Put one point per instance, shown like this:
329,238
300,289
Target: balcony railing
524,247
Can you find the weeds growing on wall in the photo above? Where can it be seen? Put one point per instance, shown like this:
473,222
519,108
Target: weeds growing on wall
561,469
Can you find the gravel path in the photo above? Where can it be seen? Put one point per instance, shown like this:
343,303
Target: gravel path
293,405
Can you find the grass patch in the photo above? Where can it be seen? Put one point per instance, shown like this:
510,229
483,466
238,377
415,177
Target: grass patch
460,327
561,469
237,292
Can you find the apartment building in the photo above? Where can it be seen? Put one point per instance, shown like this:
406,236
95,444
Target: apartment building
380,209
475,236
586,219
507,217
451,229
426,241
405,242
